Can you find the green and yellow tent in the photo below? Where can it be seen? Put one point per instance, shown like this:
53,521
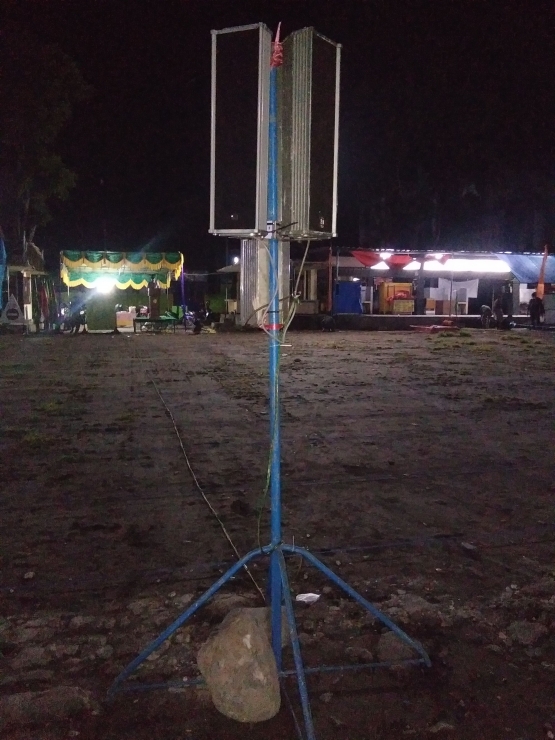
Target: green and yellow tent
126,269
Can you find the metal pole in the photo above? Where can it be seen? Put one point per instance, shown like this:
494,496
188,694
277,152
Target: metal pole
183,291
451,294
330,282
420,299
335,289
273,330
278,581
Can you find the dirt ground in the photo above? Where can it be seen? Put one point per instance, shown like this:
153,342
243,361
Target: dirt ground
421,469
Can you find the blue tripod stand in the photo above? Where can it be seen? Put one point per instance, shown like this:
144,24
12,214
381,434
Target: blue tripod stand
280,592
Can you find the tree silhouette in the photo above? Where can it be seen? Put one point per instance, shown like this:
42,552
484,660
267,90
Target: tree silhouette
39,87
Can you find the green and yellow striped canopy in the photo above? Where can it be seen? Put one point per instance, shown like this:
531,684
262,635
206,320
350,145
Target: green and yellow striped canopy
127,269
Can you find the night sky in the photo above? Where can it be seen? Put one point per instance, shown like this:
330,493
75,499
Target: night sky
447,119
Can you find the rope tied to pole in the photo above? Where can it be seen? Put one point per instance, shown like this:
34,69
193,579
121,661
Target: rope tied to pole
277,50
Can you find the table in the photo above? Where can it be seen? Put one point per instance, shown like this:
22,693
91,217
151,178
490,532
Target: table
155,325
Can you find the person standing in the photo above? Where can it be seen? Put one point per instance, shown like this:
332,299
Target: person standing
507,299
485,316
536,310
154,293
498,311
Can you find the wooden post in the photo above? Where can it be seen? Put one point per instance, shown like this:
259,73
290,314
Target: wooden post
540,290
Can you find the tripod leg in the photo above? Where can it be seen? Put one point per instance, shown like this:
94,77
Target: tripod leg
361,600
301,678
276,588
168,632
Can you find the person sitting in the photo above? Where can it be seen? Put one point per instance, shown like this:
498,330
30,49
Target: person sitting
77,319
197,325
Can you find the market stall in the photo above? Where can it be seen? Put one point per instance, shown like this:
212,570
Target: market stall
28,293
434,284
107,274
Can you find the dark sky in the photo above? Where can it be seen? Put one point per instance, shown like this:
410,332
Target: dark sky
434,89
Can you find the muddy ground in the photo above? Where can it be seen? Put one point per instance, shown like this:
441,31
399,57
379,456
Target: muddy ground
420,468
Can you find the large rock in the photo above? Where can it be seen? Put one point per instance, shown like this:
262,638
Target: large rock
221,604
239,668
263,615
37,707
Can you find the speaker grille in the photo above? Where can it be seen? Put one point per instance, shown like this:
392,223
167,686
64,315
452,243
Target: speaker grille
309,116
239,142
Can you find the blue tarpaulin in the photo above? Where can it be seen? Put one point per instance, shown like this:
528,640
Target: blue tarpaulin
347,298
526,269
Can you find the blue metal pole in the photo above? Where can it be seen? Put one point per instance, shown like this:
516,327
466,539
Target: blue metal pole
294,637
357,597
155,644
273,329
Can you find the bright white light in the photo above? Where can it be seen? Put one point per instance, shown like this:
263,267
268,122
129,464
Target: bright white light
380,266
433,265
105,284
494,266
414,265
479,265
385,255
236,260
499,266
356,280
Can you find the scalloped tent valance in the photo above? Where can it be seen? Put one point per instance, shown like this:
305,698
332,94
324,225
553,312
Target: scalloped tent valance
128,269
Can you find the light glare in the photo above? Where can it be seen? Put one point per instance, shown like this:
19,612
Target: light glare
479,265
105,284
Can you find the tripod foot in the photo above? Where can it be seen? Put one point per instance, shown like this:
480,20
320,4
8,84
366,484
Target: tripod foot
282,595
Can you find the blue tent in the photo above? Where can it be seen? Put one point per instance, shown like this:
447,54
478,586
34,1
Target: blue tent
526,269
